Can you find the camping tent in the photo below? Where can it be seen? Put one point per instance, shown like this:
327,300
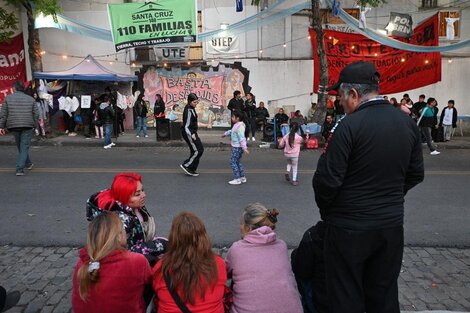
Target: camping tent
88,69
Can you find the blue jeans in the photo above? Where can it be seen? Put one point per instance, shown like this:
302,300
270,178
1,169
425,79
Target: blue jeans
23,140
108,130
284,129
235,162
141,124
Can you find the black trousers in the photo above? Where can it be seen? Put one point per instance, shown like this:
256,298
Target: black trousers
196,148
362,269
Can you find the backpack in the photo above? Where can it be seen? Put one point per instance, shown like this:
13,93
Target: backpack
312,143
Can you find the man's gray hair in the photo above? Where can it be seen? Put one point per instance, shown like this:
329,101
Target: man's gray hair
364,90
18,85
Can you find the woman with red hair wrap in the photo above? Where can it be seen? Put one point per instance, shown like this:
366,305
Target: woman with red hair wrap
126,198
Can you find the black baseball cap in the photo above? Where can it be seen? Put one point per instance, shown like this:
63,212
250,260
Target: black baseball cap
357,73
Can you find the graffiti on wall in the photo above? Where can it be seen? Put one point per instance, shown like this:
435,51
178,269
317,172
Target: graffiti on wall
214,89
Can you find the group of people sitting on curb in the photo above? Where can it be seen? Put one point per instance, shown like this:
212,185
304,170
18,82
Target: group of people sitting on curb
125,267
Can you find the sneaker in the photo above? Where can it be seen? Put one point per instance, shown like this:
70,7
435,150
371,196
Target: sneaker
235,181
146,136
287,176
137,136
253,138
295,183
97,137
243,180
435,152
29,167
247,138
186,171
194,173
11,299
112,144
20,173
72,134
108,146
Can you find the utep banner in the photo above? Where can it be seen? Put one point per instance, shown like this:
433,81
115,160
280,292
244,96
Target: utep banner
12,65
399,70
153,23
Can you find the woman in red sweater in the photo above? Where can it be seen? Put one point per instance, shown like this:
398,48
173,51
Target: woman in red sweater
194,272
108,278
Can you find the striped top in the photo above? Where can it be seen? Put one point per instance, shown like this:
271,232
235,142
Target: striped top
19,111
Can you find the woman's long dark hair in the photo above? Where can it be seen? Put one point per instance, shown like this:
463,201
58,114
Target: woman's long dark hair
190,261
294,127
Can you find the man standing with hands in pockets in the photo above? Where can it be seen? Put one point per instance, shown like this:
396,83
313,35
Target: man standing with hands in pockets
372,158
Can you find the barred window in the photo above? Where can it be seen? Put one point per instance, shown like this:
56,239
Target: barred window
428,4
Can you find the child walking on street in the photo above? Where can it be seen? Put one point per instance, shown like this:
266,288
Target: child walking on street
238,142
291,144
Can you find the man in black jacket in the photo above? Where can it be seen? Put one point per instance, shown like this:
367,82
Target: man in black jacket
189,132
372,158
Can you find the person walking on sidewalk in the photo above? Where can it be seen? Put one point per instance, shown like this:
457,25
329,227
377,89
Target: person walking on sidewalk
448,119
189,132
140,110
427,121
370,161
291,144
106,113
20,115
238,142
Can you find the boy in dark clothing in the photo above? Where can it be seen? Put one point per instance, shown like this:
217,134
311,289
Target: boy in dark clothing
309,269
327,126
189,132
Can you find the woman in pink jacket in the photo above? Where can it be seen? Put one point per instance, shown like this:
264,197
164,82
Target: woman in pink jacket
259,266
291,144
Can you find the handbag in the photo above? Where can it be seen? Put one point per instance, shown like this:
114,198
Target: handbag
174,294
78,119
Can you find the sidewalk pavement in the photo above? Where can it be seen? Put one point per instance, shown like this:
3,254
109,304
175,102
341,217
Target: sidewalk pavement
431,278
209,138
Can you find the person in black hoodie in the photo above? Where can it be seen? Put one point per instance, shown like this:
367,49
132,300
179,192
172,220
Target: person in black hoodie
106,115
371,159
189,132
250,113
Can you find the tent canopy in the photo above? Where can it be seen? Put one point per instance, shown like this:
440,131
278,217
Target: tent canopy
88,69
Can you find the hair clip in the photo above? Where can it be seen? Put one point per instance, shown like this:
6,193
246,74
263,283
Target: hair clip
272,217
93,266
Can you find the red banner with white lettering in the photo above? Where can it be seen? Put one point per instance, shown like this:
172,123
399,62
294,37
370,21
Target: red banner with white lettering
399,70
12,64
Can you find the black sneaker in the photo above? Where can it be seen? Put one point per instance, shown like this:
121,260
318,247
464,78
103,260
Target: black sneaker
29,166
186,170
194,173
19,173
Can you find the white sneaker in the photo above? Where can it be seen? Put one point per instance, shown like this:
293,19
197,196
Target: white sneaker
235,181
243,180
253,138
146,136
137,136
435,152
112,144
247,138
108,146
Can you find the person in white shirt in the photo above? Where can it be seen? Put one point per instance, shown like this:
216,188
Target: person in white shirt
448,119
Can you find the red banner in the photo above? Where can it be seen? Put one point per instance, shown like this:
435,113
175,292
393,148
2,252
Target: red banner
12,64
399,70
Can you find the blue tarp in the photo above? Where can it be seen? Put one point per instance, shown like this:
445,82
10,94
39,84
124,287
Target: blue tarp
87,69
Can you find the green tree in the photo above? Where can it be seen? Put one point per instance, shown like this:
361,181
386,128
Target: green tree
8,24
322,61
34,7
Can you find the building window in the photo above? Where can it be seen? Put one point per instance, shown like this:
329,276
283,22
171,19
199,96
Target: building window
195,51
428,4
451,16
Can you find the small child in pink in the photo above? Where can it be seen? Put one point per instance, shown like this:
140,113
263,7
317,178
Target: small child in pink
291,144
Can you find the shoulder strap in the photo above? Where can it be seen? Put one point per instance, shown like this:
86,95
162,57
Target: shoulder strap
174,294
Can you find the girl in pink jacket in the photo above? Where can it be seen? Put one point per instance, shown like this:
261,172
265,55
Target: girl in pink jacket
291,144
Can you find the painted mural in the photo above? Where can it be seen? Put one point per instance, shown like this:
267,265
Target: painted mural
214,88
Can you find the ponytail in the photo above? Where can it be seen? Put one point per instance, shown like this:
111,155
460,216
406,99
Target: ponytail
294,127
103,237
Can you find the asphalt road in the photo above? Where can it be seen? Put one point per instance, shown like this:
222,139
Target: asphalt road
47,206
